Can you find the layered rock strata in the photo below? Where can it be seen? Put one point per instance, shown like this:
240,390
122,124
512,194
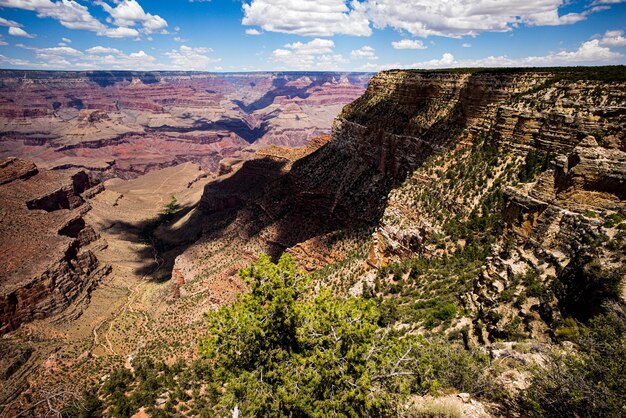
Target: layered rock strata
124,124
47,261
372,174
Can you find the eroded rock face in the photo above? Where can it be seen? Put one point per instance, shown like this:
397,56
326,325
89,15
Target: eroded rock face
371,176
124,124
46,264
557,143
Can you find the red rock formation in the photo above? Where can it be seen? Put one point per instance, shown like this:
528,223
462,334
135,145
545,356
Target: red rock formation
46,262
124,124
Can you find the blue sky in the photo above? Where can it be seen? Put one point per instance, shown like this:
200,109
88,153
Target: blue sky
354,35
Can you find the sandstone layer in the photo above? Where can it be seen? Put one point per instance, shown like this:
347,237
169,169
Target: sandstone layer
123,124
47,261
377,174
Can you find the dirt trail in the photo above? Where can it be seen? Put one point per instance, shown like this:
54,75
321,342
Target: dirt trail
136,202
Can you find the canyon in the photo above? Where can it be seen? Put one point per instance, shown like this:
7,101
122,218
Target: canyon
495,192
124,124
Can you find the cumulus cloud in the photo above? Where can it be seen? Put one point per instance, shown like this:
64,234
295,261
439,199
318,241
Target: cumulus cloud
14,31
589,52
317,54
316,46
253,32
188,58
69,13
120,32
102,50
74,15
130,13
106,58
456,18
451,18
613,38
62,50
366,52
408,44
9,23
308,18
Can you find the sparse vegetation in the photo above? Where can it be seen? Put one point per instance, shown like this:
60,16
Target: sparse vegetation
282,350
589,380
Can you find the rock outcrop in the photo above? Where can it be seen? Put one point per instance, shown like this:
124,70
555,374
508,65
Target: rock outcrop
124,124
419,149
552,144
47,261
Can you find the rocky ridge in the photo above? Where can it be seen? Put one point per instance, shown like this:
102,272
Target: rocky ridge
124,124
420,148
49,257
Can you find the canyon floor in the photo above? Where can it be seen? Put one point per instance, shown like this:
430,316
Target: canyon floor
123,309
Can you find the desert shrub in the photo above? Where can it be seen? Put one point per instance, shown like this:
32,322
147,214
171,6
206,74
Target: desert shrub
279,351
586,381
88,406
436,409
445,312
118,381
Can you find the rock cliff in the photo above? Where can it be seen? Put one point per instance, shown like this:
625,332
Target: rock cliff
528,153
124,124
48,261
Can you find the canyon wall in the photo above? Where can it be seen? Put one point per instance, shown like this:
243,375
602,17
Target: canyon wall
421,148
123,124
48,258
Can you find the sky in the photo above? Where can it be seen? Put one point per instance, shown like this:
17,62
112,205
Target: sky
319,35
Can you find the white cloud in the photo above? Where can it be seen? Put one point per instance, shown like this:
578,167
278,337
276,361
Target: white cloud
253,32
130,13
107,58
613,38
456,18
366,52
94,58
74,15
9,23
66,40
13,31
69,13
102,50
408,44
589,52
466,45
120,32
62,50
317,54
316,46
452,18
308,18
188,58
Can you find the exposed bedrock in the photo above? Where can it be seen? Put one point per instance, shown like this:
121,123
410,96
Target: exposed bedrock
559,139
47,263
124,124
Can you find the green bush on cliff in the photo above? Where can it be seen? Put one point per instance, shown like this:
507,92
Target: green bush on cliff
278,351
589,381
